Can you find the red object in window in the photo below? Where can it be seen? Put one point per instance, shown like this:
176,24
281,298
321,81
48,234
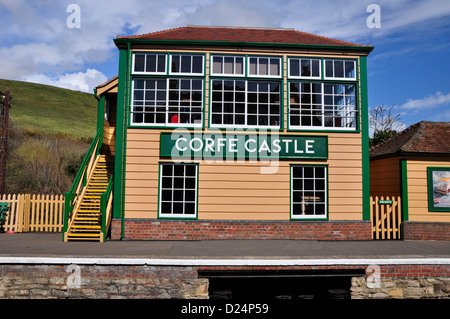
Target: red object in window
175,119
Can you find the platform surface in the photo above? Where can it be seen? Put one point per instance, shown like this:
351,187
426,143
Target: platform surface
51,245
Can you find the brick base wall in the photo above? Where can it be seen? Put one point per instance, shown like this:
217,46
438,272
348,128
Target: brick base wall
152,229
426,231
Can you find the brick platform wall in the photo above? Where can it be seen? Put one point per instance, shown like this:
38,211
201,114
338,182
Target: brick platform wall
426,231
146,229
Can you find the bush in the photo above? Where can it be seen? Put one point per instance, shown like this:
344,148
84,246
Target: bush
42,164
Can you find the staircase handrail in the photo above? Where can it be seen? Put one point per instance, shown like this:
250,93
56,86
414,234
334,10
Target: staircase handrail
86,169
106,207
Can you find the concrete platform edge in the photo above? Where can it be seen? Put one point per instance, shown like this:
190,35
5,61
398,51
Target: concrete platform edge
222,262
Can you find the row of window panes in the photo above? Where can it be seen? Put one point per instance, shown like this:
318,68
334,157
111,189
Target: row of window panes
178,190
241,102
271,67
150,63
153,63
319,105
311,68
258,66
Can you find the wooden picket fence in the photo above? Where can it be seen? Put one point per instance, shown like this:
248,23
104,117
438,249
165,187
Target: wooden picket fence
386,216
28,212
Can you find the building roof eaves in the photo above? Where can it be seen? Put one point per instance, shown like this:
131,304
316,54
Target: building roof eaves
248,44
422,138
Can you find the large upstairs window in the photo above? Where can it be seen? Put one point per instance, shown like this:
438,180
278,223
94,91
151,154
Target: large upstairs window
167,96
241,103
245,91
322,105
171,102
322,94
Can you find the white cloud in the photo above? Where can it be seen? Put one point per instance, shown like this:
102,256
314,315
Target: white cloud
428,102
79,81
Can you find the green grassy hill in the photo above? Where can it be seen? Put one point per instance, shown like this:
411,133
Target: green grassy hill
49,134
44,109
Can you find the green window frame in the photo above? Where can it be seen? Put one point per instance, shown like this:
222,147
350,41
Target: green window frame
340,69
227,65
187,64
173,93
438,189
265,66
168,102
331,102
309,192
323,106
149,63
304,68
178,190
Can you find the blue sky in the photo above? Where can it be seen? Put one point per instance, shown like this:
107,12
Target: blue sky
408,69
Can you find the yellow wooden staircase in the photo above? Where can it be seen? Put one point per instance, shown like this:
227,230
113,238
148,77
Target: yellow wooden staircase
87,219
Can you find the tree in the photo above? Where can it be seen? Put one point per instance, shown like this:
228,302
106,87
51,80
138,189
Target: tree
384,124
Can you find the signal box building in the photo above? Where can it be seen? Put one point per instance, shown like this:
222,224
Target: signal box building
236,133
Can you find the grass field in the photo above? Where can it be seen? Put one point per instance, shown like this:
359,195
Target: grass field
44,109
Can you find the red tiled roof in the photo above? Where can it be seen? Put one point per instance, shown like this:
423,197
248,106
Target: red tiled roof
242,34
421,138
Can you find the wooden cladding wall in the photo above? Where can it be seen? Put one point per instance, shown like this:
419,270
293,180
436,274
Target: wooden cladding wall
385,177
238,191
418,189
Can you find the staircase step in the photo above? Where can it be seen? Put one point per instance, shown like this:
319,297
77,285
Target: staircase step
82,222
83,235
83,232
87,226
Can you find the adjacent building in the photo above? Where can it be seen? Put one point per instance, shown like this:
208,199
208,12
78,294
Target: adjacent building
415,165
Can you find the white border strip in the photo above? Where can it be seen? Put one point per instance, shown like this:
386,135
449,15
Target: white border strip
223,262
